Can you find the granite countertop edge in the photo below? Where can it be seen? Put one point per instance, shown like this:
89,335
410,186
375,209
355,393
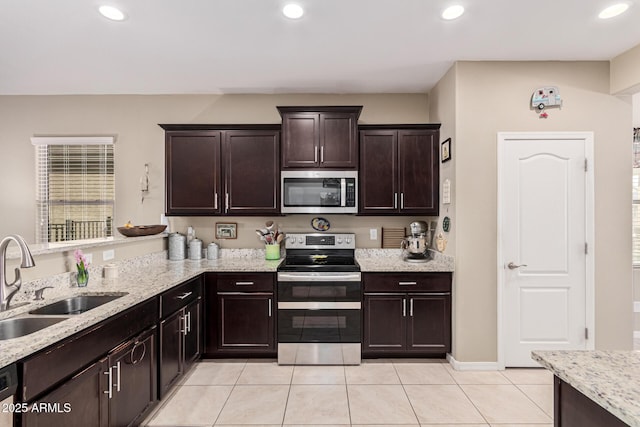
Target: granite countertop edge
598,374
149,279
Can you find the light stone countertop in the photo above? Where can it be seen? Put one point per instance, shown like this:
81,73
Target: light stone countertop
609,378
150,275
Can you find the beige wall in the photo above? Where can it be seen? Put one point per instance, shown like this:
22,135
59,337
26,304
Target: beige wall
493,97
134,121
625,72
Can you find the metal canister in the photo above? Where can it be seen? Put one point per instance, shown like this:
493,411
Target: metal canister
195,249
177,247
212,251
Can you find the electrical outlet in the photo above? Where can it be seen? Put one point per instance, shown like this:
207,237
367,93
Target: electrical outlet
373,233
108,255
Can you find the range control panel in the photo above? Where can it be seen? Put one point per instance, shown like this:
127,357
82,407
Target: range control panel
321,241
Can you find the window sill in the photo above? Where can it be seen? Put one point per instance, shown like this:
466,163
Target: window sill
52,248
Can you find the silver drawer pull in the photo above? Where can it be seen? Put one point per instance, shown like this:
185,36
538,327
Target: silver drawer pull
185,295
244,283
109,391
407,283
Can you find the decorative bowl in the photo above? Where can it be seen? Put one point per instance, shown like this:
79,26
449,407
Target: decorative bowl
141,230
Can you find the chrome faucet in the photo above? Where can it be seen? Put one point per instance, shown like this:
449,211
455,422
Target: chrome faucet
7,291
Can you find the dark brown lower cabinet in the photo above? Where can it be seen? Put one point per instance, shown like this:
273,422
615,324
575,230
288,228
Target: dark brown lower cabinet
245,322
117,391
79,402
398,323
574,409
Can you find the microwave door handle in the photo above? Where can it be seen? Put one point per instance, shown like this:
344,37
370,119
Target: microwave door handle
343,192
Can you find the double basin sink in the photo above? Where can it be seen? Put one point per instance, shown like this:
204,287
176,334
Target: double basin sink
20,326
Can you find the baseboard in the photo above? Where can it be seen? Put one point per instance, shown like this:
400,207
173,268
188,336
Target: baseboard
472,366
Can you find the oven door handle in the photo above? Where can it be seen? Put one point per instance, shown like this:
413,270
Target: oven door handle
319,305
319,277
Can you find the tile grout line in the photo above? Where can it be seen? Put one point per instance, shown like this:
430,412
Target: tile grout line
472,402
533,401
286,403
233,387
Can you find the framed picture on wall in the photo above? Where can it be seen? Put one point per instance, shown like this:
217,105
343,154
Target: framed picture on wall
445,150
226,230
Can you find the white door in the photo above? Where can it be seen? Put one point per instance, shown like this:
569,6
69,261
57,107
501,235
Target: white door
543,243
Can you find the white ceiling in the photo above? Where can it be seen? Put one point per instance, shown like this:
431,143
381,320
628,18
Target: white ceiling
247,46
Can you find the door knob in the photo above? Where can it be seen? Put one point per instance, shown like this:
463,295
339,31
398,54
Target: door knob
513,266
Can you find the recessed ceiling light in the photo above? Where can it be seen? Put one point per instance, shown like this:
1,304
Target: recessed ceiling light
613,11
452,12
112,13
293,11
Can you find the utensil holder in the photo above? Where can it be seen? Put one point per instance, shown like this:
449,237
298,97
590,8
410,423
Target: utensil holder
272,251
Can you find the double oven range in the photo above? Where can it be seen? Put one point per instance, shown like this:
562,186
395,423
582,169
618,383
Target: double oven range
319,294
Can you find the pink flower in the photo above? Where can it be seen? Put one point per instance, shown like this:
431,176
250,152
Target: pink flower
81,260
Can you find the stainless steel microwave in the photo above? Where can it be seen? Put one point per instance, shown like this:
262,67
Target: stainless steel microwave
313,191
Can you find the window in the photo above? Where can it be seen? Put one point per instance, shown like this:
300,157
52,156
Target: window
75,188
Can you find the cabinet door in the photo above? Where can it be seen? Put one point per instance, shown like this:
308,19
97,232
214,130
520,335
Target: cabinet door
384,323
419,169
170,351
246,322
192,338
81,401
429,323
300,140
193,173
378,172
134,378
252,172
338,141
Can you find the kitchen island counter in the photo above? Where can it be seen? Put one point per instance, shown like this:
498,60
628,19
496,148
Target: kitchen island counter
609,378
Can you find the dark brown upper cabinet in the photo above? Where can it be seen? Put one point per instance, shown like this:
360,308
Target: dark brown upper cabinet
320,137
222,169
399,169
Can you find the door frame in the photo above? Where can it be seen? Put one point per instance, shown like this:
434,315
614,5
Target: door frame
588,138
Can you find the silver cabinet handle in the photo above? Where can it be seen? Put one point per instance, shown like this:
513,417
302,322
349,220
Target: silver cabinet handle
404,307
244,283
315,154
117,386
226,202
322,154
183,296
395,200
183,319
401,200
215,200
108,391
513,266
188,320
407,283
411,307
269,307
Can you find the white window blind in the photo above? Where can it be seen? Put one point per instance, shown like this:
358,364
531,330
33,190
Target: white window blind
75,188
635,213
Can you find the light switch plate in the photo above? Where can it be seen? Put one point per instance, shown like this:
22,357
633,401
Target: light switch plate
373,233
108,255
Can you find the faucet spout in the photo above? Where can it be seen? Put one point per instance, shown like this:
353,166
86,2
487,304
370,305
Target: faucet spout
8,290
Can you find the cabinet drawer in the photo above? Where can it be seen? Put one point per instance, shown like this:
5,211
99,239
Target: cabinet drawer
262,282
48,367
176,298
407,282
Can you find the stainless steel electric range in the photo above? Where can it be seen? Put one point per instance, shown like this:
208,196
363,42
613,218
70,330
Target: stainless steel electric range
319,294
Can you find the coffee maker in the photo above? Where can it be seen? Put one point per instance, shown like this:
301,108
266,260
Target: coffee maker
416,246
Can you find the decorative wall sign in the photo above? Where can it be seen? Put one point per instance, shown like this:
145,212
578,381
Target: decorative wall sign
445,151
446,224
446,191
226,230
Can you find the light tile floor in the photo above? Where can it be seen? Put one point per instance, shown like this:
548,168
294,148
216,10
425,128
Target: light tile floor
377,393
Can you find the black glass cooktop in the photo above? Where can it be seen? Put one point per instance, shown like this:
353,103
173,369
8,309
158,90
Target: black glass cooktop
306,260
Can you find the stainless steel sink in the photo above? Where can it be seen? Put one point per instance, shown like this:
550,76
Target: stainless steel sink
21,326
76,305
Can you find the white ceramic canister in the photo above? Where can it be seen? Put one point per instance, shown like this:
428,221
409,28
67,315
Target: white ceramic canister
212,251
195,249
177,247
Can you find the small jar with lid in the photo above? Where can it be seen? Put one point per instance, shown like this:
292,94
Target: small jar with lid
213,251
